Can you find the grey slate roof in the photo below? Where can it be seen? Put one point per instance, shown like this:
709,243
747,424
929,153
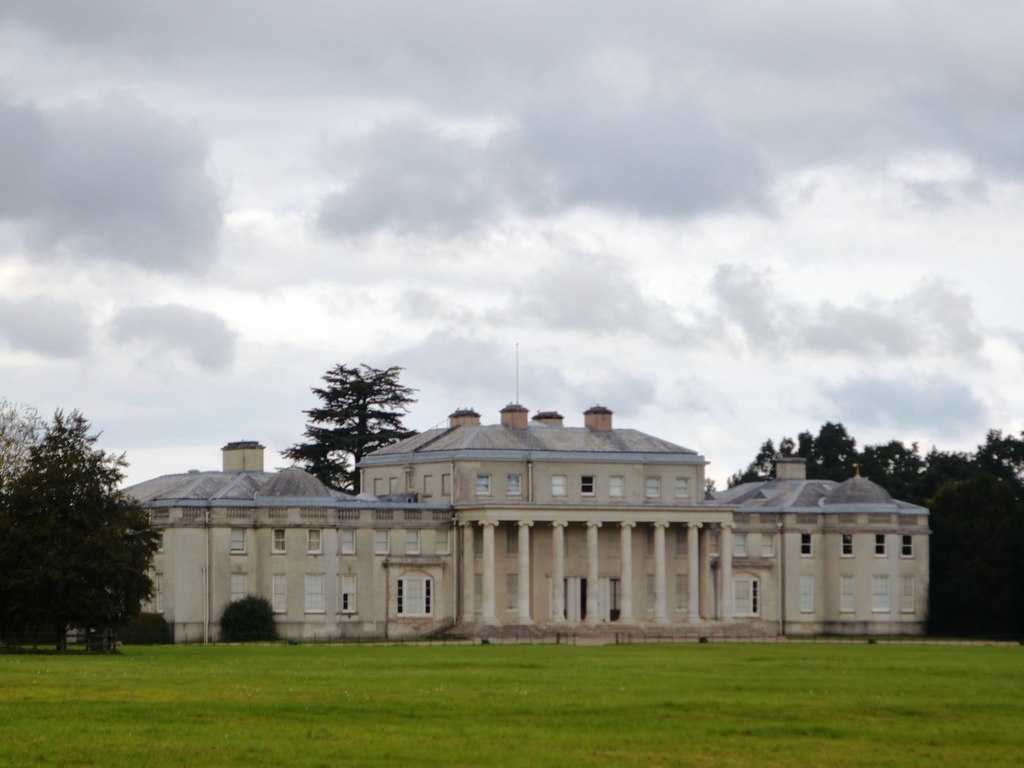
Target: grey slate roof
858,494
535,439
253,488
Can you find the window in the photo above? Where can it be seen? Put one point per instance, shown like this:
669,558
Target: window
558,485
381,541
378,486
428,486
746,596
652,487
514,484
478,544
414,596
614,597
348,541
767,545
314,544
739,545
587,485
314,593
280,590
616,486
805,545
847,549
511,539
446,485
681,591
846,594
906,594
880,594
879,545
348,593
278,544
478,592
682,488
237,586
441,542
906,545
806,594
680,540
412,542
238,539
483,485
649,541
158,593
511,590
649,592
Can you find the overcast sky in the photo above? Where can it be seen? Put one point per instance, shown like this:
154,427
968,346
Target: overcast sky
725,221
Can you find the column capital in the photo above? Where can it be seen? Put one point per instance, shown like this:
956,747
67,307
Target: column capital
524,523
559,524
628,524
727,526
660,524
695,526
488,523
594,523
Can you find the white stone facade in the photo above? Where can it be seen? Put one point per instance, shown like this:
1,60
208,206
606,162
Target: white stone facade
485,528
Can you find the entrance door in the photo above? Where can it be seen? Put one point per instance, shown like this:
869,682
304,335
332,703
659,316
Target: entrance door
575,599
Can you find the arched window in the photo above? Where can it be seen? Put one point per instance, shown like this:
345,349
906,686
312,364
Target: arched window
746,596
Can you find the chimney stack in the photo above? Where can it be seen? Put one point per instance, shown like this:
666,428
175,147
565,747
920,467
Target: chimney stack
790,468
549,418
464,417
598,418
514,416
243,456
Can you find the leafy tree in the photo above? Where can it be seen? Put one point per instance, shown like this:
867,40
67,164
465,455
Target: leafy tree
977,579
362,410
74,550
248,620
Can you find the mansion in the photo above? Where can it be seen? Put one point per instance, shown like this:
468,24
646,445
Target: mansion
528,525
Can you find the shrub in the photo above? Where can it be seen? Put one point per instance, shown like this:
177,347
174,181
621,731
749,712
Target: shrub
250,619
145,629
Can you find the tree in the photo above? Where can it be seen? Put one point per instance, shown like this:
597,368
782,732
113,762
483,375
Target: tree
74,551
20,429
248,620
362,410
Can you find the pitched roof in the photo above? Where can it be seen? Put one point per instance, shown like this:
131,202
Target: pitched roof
858,494
537,438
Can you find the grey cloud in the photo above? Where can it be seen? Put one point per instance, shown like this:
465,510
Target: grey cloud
930,320
109,179
595,296
411,178
172,328
45,326
934,403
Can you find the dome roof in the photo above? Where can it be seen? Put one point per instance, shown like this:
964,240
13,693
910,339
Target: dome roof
295,482
857,490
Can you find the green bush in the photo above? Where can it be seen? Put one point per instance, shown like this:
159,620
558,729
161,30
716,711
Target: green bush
145,629
248,620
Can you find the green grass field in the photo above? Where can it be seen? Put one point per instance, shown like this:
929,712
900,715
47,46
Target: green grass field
636,705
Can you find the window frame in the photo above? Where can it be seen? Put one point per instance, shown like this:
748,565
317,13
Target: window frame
235,593
559,486
683,488
907,545
652,488
739,544
424,600
310,596
413,541
513,484
442,541
806,545
751,602
588,485
881,545
846,545
847,597
314,541
617,487
767,545
347,594
806,593
275,593
382,541
237,547
483,484
278,541
348,541
880,600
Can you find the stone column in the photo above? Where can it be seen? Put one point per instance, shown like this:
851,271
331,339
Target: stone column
693,566
592,617
558,569
660,613
468,574
725,566
626,582
524,572
489,616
